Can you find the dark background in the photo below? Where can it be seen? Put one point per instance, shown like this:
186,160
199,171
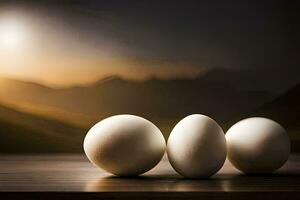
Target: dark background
241,60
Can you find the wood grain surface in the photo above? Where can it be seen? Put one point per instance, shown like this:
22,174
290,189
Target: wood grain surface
74,177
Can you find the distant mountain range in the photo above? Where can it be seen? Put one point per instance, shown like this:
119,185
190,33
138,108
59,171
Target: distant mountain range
25,133
52,122
255,79
152,98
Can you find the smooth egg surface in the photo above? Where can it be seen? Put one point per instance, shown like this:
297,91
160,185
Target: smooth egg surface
196,147
257,145
124,145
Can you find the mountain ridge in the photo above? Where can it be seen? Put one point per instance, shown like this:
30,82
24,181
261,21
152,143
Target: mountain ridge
242,79
153,98
28,133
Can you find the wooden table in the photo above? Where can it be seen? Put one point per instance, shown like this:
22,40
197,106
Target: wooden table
74,177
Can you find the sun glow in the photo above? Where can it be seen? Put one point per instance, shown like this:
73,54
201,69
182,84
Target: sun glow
11,34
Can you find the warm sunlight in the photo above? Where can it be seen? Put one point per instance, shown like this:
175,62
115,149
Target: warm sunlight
11,34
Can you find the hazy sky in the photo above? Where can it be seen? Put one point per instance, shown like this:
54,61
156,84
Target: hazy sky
68,42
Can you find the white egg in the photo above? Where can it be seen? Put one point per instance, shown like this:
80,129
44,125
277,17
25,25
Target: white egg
257,145
124,145
197,147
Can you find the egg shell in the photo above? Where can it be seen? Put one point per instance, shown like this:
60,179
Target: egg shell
196,147
124,145
257,145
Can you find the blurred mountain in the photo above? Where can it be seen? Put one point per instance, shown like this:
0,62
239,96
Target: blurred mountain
152,98
157,99
254,79
162,101
21,90
25,133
